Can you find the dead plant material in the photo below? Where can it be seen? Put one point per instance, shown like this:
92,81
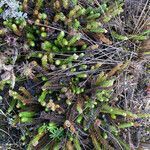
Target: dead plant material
103,38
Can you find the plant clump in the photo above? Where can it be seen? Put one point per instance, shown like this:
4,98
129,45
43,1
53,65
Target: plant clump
70,76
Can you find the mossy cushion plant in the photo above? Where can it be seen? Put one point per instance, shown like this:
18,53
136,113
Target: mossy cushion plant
64,89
